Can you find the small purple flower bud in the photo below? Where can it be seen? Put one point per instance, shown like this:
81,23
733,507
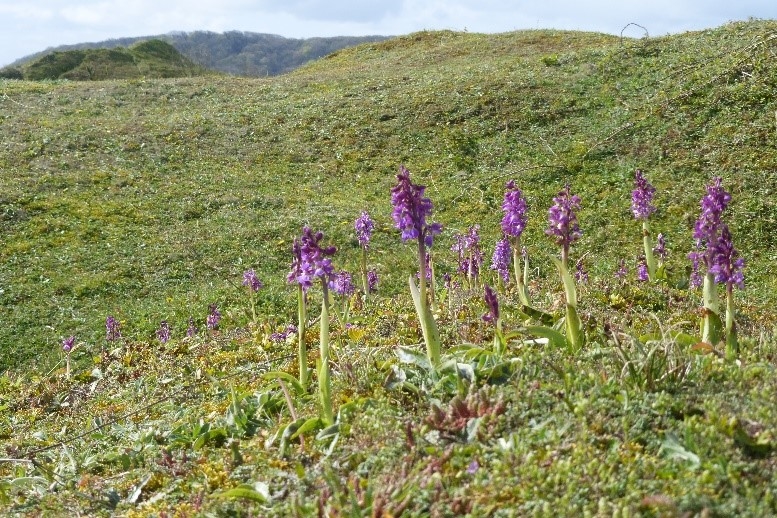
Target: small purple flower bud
581,275
642,197
364,226
493,305
163,333
473,467
500,261
112,332
428,267
468,248
622,270
214,317
514,207
281,337
252,281
68,343
642,271
372,281
191,330
660,249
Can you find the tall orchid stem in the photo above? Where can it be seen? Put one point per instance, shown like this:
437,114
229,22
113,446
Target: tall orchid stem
365,279
301,347
650,259
732,343
574,329
324,378
428,325
521,278
710,323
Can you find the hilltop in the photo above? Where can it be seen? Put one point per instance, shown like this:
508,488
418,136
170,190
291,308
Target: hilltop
147,59
234,52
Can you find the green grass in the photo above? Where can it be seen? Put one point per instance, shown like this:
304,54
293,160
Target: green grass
147,199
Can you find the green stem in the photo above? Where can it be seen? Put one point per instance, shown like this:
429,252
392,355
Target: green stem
650,259
574,330
710,323
521,277
365,280
428,325
732,343
301,348
324,378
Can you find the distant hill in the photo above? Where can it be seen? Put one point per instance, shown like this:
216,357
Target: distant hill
150,58
235,53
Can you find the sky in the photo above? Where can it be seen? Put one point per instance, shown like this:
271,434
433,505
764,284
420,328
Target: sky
29,26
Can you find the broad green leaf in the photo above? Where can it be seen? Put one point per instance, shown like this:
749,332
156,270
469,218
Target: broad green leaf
672,448
555,338
413,357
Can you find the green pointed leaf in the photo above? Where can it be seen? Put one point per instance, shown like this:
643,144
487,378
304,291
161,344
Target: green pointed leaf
288,378
313,423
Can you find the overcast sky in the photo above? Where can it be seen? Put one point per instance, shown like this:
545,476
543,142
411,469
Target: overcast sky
28,26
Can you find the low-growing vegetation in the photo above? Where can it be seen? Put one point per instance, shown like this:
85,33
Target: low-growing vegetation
211,310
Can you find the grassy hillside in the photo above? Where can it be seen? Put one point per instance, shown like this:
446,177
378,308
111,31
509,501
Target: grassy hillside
146,59
147,200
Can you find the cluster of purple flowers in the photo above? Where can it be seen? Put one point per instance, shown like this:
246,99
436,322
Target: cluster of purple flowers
500,261
467,246
310,259
252,281
642,197
364,227
112,332
411,209
213,318
515,211
714,247
562,220
163,333
342,284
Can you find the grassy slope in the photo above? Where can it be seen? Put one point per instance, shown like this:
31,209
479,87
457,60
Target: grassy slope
147,200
